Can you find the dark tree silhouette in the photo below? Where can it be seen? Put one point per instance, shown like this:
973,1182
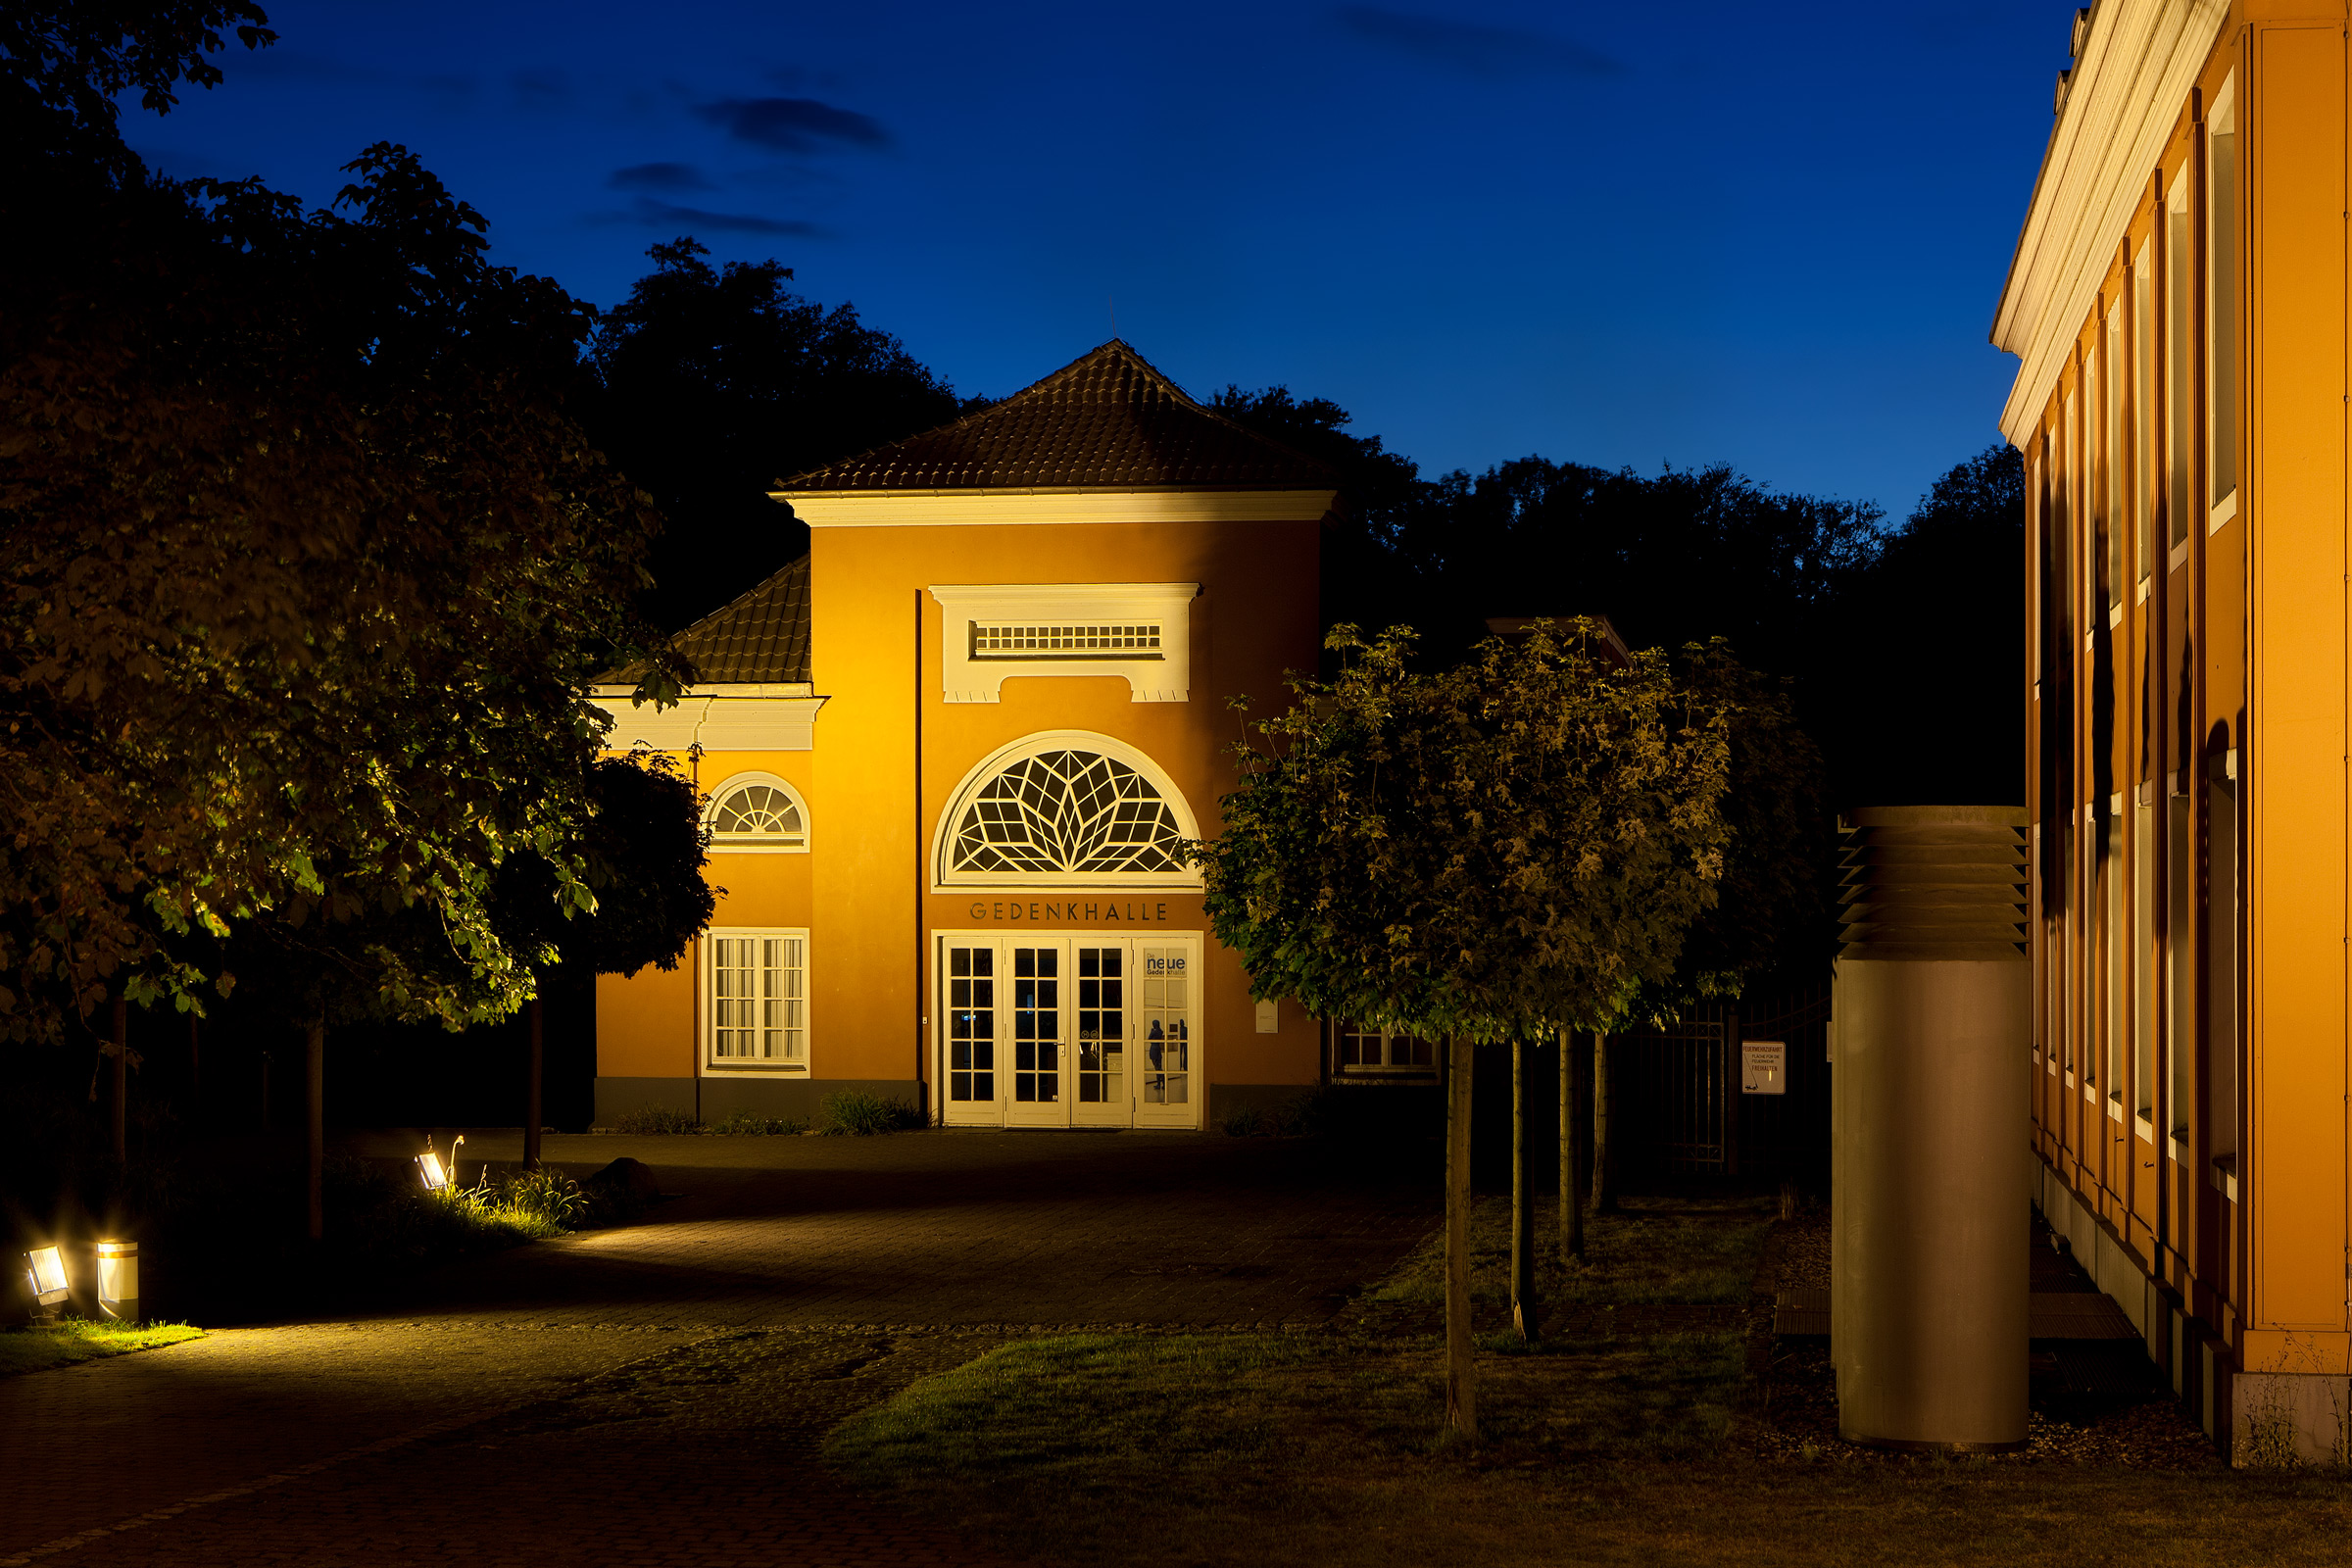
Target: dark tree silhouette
713,383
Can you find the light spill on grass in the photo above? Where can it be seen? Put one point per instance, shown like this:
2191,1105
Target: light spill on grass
1173,1433
1655,1250
48,1345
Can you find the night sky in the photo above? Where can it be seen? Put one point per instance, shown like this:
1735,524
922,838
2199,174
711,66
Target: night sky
1767,235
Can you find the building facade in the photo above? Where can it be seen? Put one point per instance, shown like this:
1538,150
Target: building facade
950,757
2178,303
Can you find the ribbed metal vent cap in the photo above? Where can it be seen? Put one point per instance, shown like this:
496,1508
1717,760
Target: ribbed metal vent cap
1933,882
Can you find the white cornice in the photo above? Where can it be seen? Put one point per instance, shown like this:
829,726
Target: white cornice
716,719
955,508
2128,90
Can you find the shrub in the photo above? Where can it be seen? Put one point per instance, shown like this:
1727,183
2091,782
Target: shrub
655,1120
548,1195
743,1123
853,1110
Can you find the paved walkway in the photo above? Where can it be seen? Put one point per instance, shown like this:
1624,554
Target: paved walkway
655,1394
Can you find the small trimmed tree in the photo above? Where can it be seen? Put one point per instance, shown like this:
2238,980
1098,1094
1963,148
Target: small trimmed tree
1482,854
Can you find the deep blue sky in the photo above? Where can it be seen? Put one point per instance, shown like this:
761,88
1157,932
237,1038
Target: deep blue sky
1768,235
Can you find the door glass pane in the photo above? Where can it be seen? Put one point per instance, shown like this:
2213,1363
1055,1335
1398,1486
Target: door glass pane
1102,1026
1037,1025
971,1024
1165,1018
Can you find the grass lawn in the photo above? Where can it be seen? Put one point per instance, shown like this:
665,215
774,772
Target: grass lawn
1635,1447
1654,1252
62,1344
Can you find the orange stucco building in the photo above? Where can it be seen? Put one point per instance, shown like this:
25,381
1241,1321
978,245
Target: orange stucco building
2178,306
949,757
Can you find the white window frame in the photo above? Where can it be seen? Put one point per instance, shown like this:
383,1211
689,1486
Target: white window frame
943,831
1388,1071
2221,121
1163,675
753,846
711,1063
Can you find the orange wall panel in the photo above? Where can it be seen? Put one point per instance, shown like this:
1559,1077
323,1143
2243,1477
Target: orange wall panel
2293,120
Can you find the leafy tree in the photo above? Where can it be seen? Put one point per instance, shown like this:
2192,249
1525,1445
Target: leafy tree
713,383
644,857
1484,854
64,65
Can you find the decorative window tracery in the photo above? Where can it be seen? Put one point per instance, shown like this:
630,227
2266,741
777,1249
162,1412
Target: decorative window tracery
758,812
1066,813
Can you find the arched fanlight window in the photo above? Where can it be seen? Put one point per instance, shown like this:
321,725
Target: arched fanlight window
758,812
1066,808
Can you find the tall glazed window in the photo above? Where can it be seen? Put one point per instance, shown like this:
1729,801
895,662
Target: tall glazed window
2143,416
2221,308
2178,264
2115,456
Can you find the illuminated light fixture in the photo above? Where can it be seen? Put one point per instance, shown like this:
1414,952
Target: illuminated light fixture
119,1281
45,1274
436,1175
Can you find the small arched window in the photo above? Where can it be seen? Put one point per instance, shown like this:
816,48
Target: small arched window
758,812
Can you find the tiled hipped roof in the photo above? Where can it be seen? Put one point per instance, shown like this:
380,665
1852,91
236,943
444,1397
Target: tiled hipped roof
761,637
1107,421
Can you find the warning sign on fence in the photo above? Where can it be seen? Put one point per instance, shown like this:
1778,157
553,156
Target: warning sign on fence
1763,1067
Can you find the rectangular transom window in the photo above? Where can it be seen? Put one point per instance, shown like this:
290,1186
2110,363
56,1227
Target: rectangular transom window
1065,640
759,1000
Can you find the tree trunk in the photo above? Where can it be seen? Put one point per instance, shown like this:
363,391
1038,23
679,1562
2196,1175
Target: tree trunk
1523,1316
195,1064
1461,1391
1572,1154
530,1099
122,1106
315,1062
1604,1187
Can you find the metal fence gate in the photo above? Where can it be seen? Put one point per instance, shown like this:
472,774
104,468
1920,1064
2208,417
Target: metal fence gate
1676,1105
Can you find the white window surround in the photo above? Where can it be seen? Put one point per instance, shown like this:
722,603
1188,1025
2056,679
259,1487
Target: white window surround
943,831
708,1063
718,718
749,844
1164,677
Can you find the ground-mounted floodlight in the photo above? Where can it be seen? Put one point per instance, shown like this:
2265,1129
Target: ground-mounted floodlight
119,1281
45,1276
436,1175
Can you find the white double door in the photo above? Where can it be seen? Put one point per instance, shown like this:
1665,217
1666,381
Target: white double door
1068,1031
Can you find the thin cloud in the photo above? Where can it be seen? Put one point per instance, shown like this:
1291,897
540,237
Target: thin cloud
653,213
1468,46
793,124
658,176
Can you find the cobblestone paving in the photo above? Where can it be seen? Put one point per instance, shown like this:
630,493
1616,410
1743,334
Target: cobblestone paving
656,1395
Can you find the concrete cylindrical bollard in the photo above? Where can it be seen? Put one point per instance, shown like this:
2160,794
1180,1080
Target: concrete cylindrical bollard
1929,1305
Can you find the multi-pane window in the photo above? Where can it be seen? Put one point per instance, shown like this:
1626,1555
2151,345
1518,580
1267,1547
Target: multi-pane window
1361,1048
1065,640
760,999
1102,1025
2114,457
757,813
971,1024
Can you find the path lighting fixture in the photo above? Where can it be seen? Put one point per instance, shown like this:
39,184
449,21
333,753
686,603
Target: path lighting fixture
436,1175
45,1273
119,1281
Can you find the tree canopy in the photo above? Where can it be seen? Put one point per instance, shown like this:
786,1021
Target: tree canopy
711,384
1491,851
305,570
